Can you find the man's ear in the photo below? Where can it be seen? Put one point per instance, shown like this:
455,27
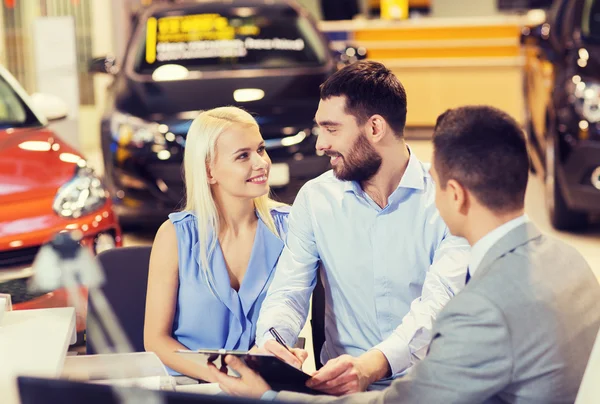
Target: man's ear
376,128
460,196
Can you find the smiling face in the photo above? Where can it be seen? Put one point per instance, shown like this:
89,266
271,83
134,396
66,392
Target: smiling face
353,158
241,164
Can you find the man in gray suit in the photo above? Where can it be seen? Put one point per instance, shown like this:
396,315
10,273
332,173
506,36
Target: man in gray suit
523,328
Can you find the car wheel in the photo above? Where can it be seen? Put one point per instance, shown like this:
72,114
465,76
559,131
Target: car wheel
561,217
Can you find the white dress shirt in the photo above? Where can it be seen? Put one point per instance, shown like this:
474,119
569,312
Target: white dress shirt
483,246
387,271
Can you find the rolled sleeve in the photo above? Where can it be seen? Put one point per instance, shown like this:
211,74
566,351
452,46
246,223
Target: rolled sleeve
410,340
396,351
264,337
288,299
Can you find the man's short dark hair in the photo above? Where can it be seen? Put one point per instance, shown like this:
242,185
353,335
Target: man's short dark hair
483,149
370,88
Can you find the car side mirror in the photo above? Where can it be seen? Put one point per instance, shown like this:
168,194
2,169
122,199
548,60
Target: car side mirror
351,54
51,106
104,64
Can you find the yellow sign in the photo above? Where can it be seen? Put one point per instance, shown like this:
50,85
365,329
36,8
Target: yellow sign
192,28
394,9
151,40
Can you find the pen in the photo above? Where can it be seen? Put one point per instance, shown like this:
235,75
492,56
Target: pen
278,338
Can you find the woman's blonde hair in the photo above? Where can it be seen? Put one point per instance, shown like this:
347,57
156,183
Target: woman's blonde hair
199,154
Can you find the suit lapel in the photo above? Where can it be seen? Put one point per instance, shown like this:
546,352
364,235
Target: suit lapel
515,238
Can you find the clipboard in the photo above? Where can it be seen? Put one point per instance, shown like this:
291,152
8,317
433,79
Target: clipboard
203,357
277,373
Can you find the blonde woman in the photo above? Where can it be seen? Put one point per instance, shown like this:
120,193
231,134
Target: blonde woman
212,263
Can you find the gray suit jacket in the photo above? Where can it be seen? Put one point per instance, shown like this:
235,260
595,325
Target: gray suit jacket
521,331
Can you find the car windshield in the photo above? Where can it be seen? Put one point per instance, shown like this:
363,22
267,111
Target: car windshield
229,37
13,111
591,20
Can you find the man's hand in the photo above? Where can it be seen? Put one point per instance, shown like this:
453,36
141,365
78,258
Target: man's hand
295,358
346,374
249,384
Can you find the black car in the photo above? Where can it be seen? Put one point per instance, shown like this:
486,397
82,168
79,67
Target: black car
267,57
562,95
522,5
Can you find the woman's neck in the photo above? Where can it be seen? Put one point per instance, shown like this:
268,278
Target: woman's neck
235,214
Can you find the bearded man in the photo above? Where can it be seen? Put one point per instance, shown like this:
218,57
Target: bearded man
389,263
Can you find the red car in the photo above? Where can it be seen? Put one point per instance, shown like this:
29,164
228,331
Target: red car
45,187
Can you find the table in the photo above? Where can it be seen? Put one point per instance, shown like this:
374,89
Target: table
141,369
33,343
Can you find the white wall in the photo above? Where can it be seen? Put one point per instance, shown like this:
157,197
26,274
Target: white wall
55,61
103,37
2,50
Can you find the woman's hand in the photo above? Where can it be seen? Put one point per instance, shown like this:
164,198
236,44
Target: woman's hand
249,384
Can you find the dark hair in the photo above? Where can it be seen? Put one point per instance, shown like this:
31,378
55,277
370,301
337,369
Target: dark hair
370,88
483,149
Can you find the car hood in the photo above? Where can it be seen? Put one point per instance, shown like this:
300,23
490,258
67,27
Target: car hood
288,99
34,163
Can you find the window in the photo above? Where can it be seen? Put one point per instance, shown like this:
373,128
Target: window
231,38
13,112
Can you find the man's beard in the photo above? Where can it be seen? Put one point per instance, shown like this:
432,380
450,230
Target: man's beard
360,164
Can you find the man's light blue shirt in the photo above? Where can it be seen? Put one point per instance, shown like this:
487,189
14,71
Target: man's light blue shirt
387,272
489,240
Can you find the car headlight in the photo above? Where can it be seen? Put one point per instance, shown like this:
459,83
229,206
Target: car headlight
587,99
130,130
83,194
